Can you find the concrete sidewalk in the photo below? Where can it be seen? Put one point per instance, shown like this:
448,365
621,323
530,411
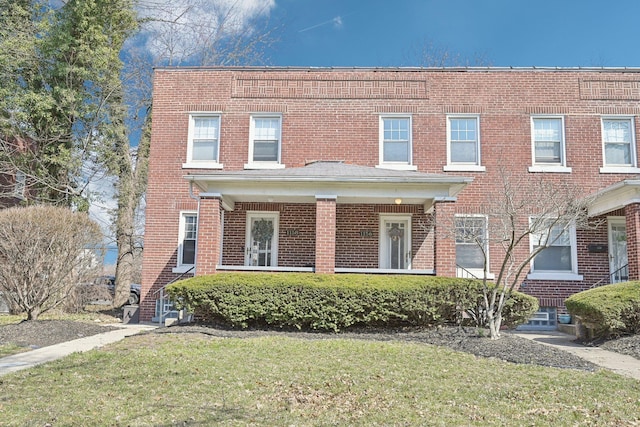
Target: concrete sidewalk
38,356
616,362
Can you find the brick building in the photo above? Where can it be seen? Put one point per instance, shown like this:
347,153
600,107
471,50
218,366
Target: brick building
344,170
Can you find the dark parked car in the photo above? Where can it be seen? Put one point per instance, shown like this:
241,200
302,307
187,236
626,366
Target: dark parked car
110,283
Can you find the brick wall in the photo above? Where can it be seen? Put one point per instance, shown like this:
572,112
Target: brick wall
333,114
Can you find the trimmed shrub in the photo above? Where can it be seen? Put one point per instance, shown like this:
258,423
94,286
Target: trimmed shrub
333,302
610,311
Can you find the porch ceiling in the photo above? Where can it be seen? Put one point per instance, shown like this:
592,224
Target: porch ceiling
616,196
347,183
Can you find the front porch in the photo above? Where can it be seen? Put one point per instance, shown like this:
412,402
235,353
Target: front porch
326,217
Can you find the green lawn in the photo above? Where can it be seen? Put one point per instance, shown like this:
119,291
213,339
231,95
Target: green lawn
188,379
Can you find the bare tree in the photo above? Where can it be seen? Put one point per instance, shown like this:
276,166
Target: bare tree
183,32
528,221
427,53
45,251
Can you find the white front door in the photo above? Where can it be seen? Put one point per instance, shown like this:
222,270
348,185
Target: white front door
261,248
395,242
618,260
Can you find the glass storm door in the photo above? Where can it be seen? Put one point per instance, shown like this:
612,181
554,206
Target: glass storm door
618,261
395,239
262,240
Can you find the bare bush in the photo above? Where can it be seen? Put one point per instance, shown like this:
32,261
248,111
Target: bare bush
44,253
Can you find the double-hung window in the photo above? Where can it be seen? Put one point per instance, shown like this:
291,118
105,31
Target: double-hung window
557,259
203,146
463,144
265,141
187,241
548,145
471,246
619,145
395,142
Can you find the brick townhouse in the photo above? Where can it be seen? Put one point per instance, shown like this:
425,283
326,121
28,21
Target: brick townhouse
333,170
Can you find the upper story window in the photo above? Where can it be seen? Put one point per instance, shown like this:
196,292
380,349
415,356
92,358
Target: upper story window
558,258
463,144
548,145
619,145
203,145
395,142
265,141
187,238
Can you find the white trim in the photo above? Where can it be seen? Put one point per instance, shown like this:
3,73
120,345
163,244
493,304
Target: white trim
264,165
619,169
549,168
398,167
464,166
383,250
615,168
560,274
252,164
183,269
385,271
180,267
273,268
615,221
555,276
275,217
459,167
478,272
395,165
560,166
203,164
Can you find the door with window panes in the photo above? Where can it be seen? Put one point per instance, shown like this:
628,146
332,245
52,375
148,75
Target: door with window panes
395,243
262,239
618,259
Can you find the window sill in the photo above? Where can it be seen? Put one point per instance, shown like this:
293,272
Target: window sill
397,167
619,169
464,168
202,165
264,166
550,168
476,272
555,276
183,269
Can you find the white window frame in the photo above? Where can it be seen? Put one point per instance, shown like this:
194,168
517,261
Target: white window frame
630,168
477,272
277,164
20,184
558,167
464,166
204,164
556,274
408,165
180,267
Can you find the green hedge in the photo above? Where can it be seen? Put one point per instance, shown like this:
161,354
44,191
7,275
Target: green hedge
333,302
610,310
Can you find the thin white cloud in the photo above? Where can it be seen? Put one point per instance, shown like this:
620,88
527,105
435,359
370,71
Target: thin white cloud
336,21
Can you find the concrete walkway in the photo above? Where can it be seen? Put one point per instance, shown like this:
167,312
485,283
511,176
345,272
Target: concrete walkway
38,356
616,362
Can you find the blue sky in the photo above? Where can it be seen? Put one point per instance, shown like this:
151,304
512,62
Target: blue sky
518,33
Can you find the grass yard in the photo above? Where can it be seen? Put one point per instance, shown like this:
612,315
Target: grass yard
191,379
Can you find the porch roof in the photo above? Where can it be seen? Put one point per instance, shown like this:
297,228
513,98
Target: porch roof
346,183
615,197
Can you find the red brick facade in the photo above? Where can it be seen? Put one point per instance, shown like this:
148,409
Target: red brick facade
334,115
